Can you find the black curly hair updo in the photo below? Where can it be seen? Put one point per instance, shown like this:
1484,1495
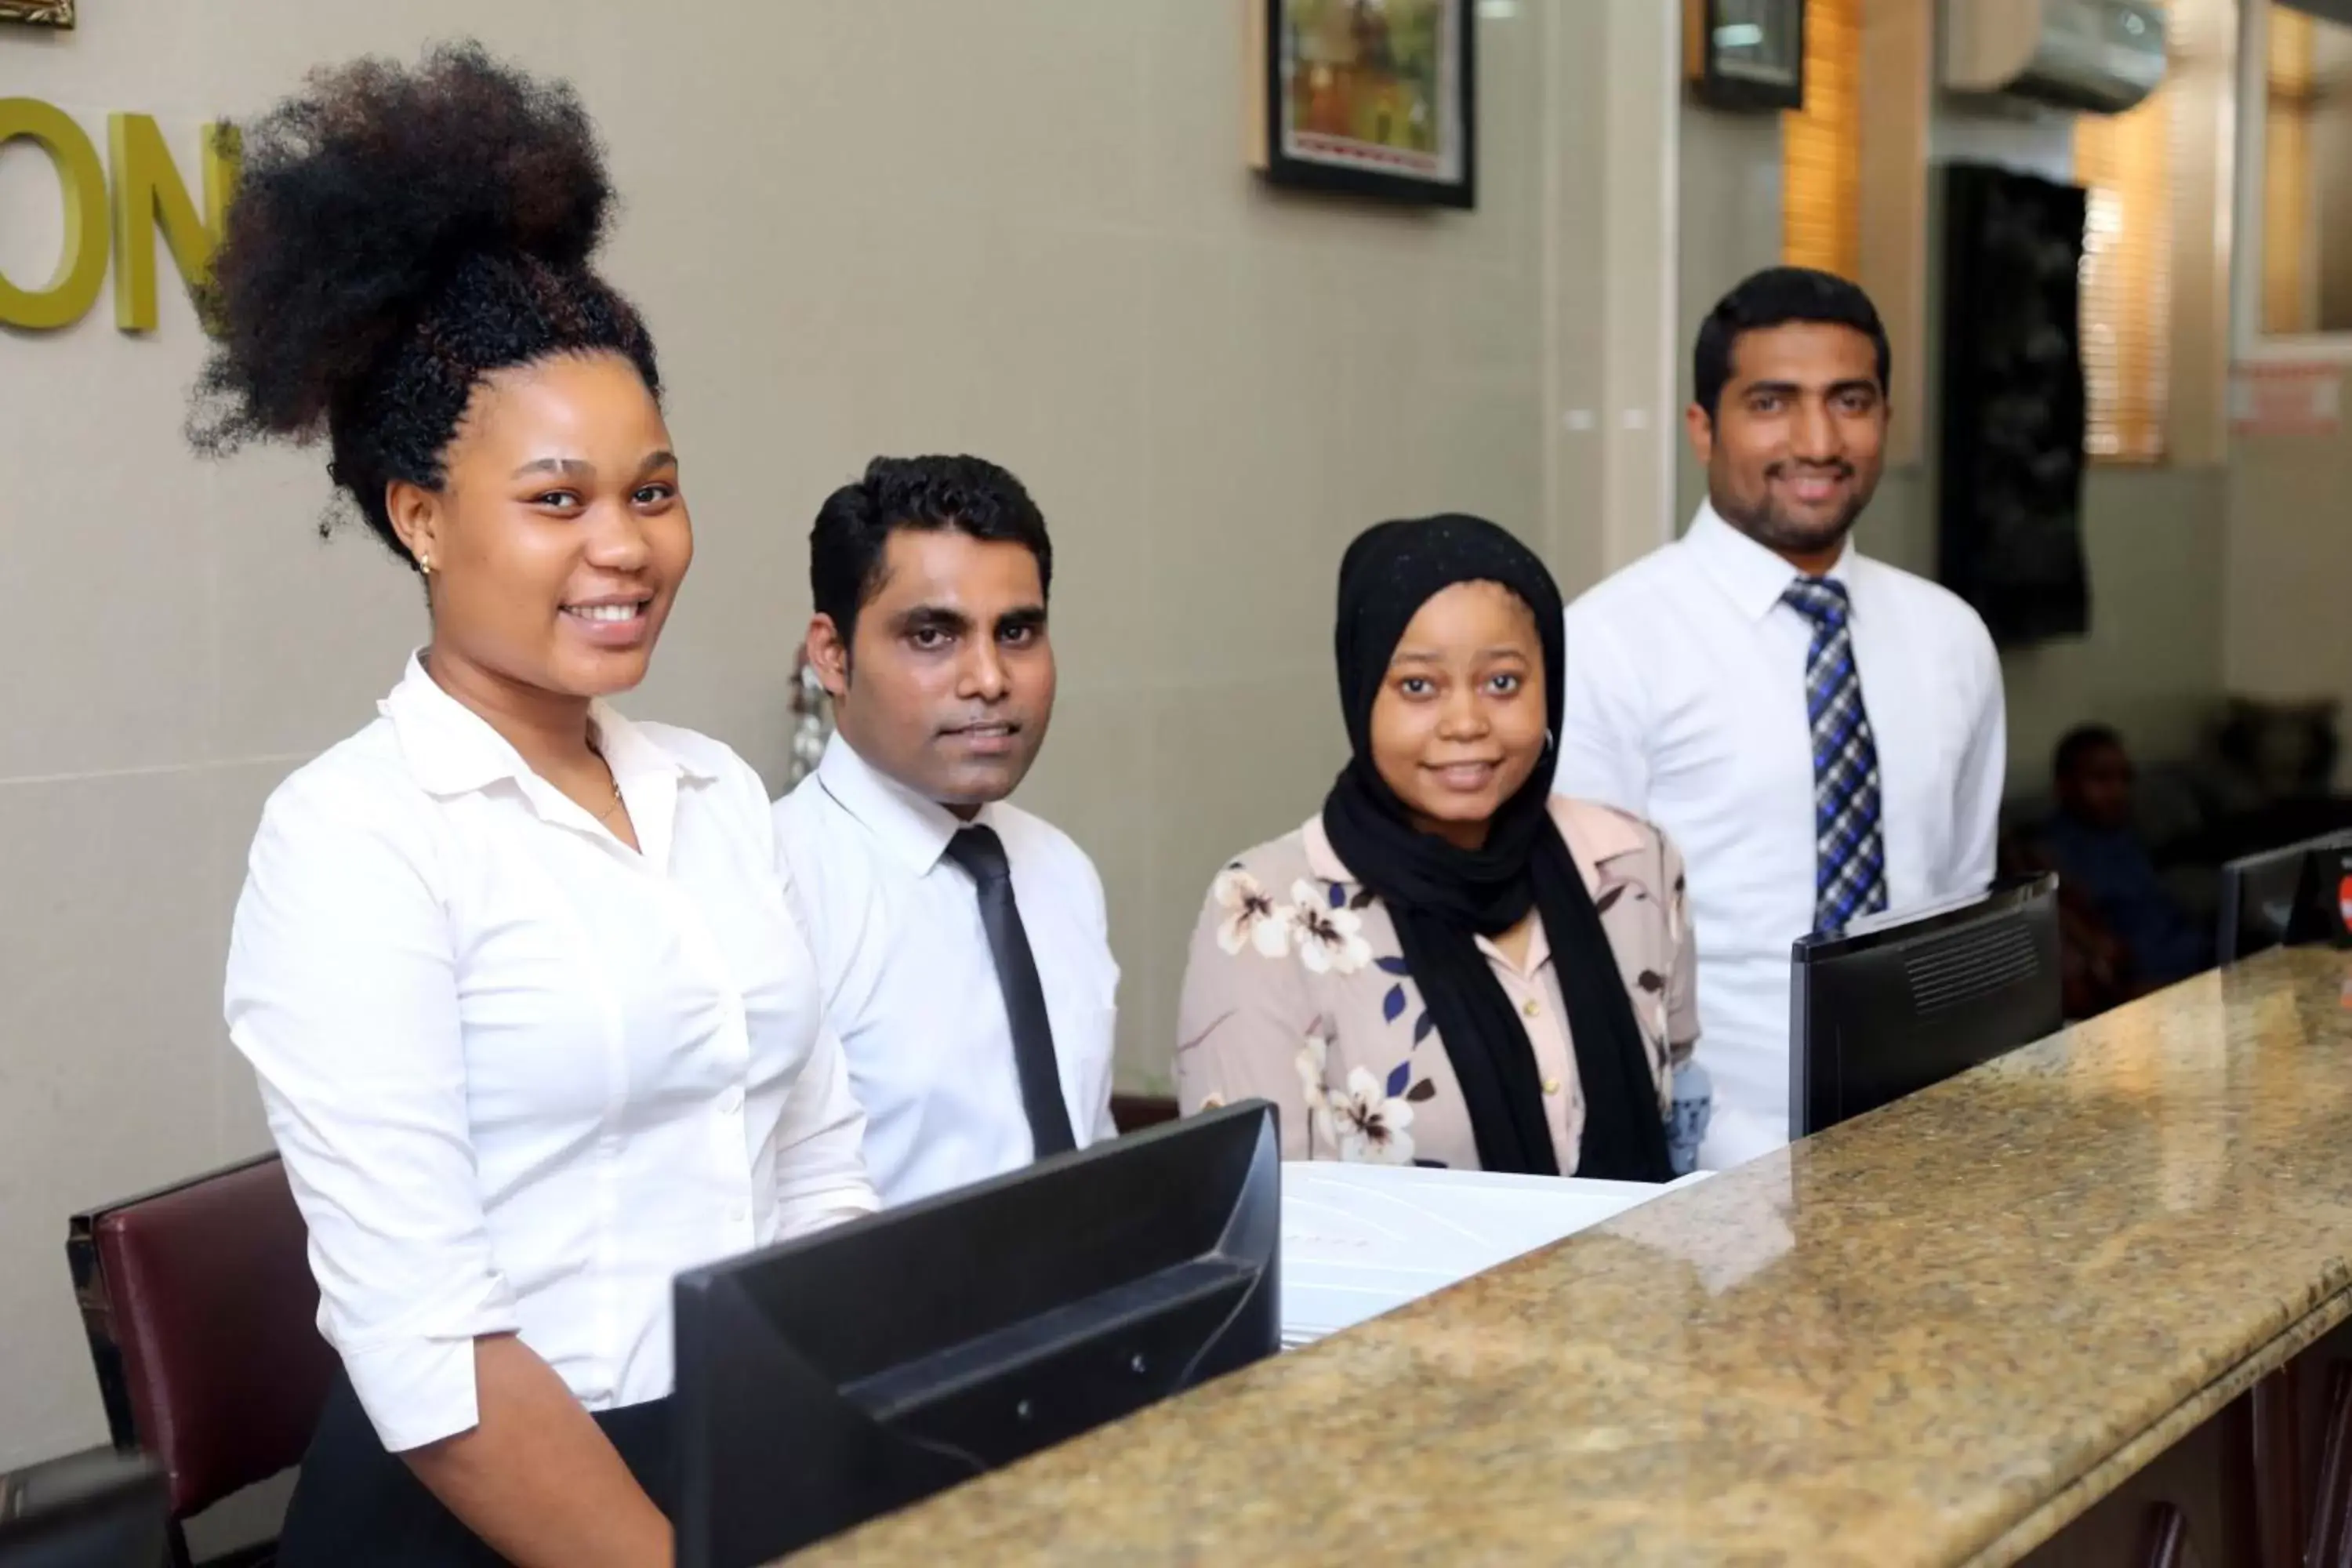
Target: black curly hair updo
398,234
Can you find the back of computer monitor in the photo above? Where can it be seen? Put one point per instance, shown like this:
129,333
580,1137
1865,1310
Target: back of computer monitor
827,1380
2288,896
94,1510
1881,1014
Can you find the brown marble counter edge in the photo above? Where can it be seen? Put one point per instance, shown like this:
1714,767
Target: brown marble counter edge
2071,1500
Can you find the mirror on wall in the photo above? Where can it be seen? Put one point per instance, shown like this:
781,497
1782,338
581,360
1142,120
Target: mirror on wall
2295,181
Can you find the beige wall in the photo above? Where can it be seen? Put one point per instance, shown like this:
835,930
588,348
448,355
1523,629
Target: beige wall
1730,209
2289,569
855,225
2288,549
2151,664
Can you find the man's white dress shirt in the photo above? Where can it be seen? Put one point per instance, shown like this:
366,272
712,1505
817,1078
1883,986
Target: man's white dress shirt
521,1074
910,982
1687,707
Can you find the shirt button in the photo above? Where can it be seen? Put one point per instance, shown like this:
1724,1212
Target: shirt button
1530,1009
731,1101
1552,1086
738,1212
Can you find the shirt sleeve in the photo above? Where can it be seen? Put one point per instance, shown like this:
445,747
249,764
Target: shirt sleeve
1682,980
1244,1025
1984,766
1603,739
821,1177
1688,1093
799,871
342,991
1105,1125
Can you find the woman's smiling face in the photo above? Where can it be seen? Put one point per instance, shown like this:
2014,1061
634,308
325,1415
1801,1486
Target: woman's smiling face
1459,726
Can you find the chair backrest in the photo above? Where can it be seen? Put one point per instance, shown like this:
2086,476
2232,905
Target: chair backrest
1134,1112
202,1316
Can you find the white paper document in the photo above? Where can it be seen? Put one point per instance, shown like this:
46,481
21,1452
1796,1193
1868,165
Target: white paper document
1360,1240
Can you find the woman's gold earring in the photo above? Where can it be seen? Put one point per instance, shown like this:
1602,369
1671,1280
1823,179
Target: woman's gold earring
424,564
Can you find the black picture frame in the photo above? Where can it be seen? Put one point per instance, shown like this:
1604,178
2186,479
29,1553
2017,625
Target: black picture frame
1759,75
2010,498
38,12
1446,176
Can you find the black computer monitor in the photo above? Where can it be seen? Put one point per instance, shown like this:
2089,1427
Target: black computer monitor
2286,897
825,1381
1898,1003
98,1510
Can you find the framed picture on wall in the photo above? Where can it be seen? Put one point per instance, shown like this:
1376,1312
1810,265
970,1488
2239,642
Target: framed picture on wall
2009,512
42,13
1747,53
1377,98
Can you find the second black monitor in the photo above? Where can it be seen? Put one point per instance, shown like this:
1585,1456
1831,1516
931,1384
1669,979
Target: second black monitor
1889,1008
2286,897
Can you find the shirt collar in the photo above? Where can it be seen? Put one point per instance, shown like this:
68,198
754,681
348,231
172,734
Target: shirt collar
451,750
1754,577
914,829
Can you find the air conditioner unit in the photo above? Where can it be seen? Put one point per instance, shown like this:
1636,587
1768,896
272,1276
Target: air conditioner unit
2099,55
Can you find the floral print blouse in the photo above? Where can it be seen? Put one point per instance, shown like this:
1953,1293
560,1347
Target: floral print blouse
1296,992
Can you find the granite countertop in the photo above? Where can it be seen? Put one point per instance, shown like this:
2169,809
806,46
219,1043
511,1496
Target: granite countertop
1932,1335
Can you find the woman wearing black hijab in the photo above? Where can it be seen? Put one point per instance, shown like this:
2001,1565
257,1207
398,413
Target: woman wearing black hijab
1450,965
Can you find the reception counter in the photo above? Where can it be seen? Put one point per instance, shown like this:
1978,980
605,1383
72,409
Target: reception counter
1934,1335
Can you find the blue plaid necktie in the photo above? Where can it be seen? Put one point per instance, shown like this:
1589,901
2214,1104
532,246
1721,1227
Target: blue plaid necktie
1849,854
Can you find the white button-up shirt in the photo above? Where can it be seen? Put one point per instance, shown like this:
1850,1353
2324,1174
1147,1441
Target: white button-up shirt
521,1074
910,985
1687,706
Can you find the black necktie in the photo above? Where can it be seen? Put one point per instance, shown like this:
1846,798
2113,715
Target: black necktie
979,851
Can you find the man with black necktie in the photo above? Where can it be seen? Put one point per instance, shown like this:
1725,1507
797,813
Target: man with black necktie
1821,733
962,942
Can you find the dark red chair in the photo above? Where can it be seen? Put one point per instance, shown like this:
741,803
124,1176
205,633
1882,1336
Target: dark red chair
202,1316
1134,1112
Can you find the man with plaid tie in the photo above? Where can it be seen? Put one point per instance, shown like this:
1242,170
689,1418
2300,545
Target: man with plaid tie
1820,732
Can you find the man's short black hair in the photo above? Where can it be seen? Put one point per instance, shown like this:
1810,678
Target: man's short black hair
1776,296
2076,745
970,495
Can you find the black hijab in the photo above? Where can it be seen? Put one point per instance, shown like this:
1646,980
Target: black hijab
1440,897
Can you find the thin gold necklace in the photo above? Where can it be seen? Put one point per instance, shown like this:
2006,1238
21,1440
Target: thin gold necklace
596,746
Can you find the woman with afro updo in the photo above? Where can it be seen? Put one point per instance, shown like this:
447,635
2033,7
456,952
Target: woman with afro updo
531,1019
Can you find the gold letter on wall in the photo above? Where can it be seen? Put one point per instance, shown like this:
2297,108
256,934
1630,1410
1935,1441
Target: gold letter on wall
147,188
81,263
